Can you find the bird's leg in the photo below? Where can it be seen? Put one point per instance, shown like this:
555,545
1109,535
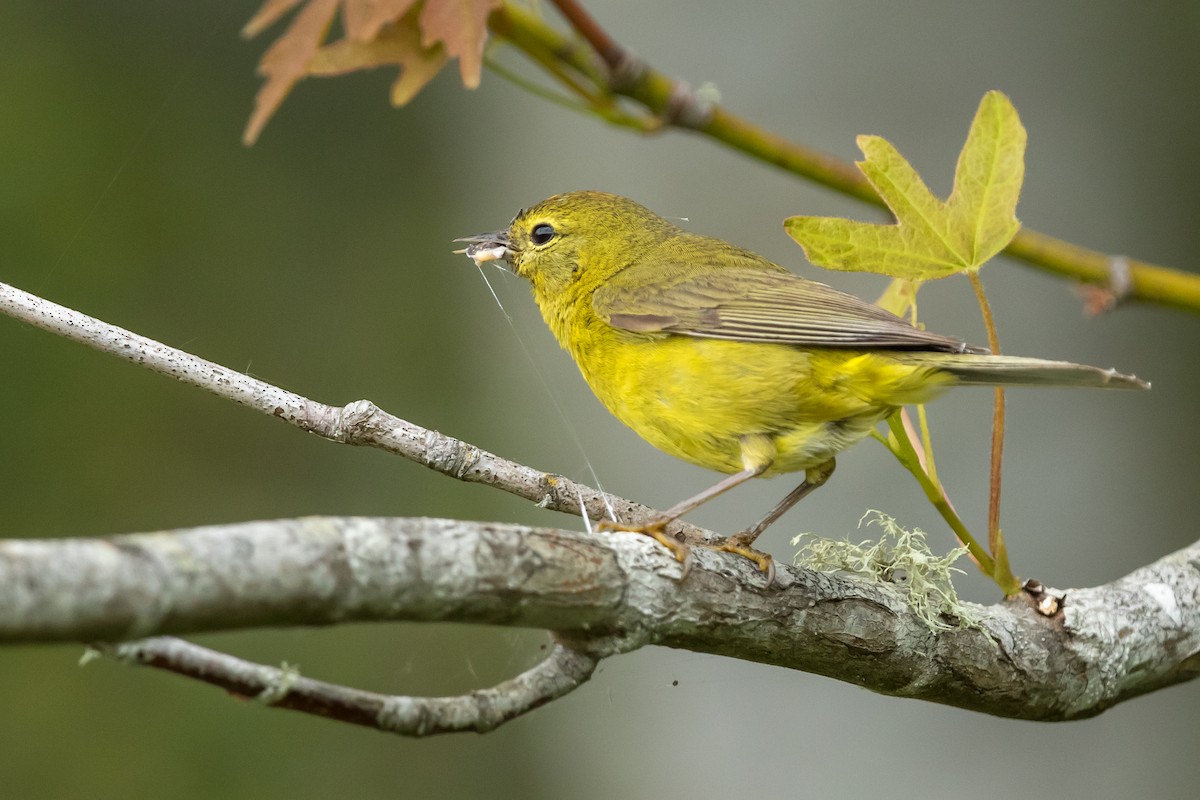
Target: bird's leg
657,527
743,543
758,451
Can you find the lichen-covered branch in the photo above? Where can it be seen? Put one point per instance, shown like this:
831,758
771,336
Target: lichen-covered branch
606,594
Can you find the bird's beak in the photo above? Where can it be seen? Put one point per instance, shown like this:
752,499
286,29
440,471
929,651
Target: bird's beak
486,246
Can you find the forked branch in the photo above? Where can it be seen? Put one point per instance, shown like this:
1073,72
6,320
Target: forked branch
603,595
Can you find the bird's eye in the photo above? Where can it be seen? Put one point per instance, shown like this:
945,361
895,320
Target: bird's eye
542,233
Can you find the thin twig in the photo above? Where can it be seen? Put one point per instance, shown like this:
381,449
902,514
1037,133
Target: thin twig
563,670
357,423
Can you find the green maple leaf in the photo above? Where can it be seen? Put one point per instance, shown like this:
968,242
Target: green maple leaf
931,238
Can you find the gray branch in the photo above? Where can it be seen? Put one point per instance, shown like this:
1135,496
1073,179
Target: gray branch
602,594
358,423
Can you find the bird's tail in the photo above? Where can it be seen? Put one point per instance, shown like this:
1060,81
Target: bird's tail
1020,371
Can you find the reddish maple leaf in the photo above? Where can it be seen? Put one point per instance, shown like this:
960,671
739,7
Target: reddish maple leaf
418,35
462,26
286,61
398,43
364,19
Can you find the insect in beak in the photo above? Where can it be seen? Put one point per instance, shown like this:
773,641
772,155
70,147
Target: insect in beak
483,247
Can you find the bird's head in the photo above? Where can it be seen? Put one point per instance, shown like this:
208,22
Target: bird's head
572,240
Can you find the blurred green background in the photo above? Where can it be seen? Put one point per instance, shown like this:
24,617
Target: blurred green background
319,260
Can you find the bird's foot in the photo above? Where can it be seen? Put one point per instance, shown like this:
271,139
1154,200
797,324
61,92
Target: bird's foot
740,544
656,529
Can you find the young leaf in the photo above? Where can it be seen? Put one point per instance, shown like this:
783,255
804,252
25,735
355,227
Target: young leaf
462,26
267,16
899,297
363,19
286,61
931,238
398,43
419,35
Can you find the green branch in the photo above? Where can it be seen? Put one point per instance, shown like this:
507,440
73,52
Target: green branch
613,71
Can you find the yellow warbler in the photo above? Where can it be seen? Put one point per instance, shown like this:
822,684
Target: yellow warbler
720,357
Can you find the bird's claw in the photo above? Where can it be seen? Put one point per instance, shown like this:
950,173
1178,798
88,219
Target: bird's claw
738,545
657,530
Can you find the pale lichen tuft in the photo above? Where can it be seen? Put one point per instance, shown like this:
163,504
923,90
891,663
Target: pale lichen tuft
901,559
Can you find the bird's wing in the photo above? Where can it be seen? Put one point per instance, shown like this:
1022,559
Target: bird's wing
754,302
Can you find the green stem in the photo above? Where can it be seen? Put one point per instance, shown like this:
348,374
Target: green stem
535,38
608,111
671,101
989,324
1003,571
1151,283
927,444
902,448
